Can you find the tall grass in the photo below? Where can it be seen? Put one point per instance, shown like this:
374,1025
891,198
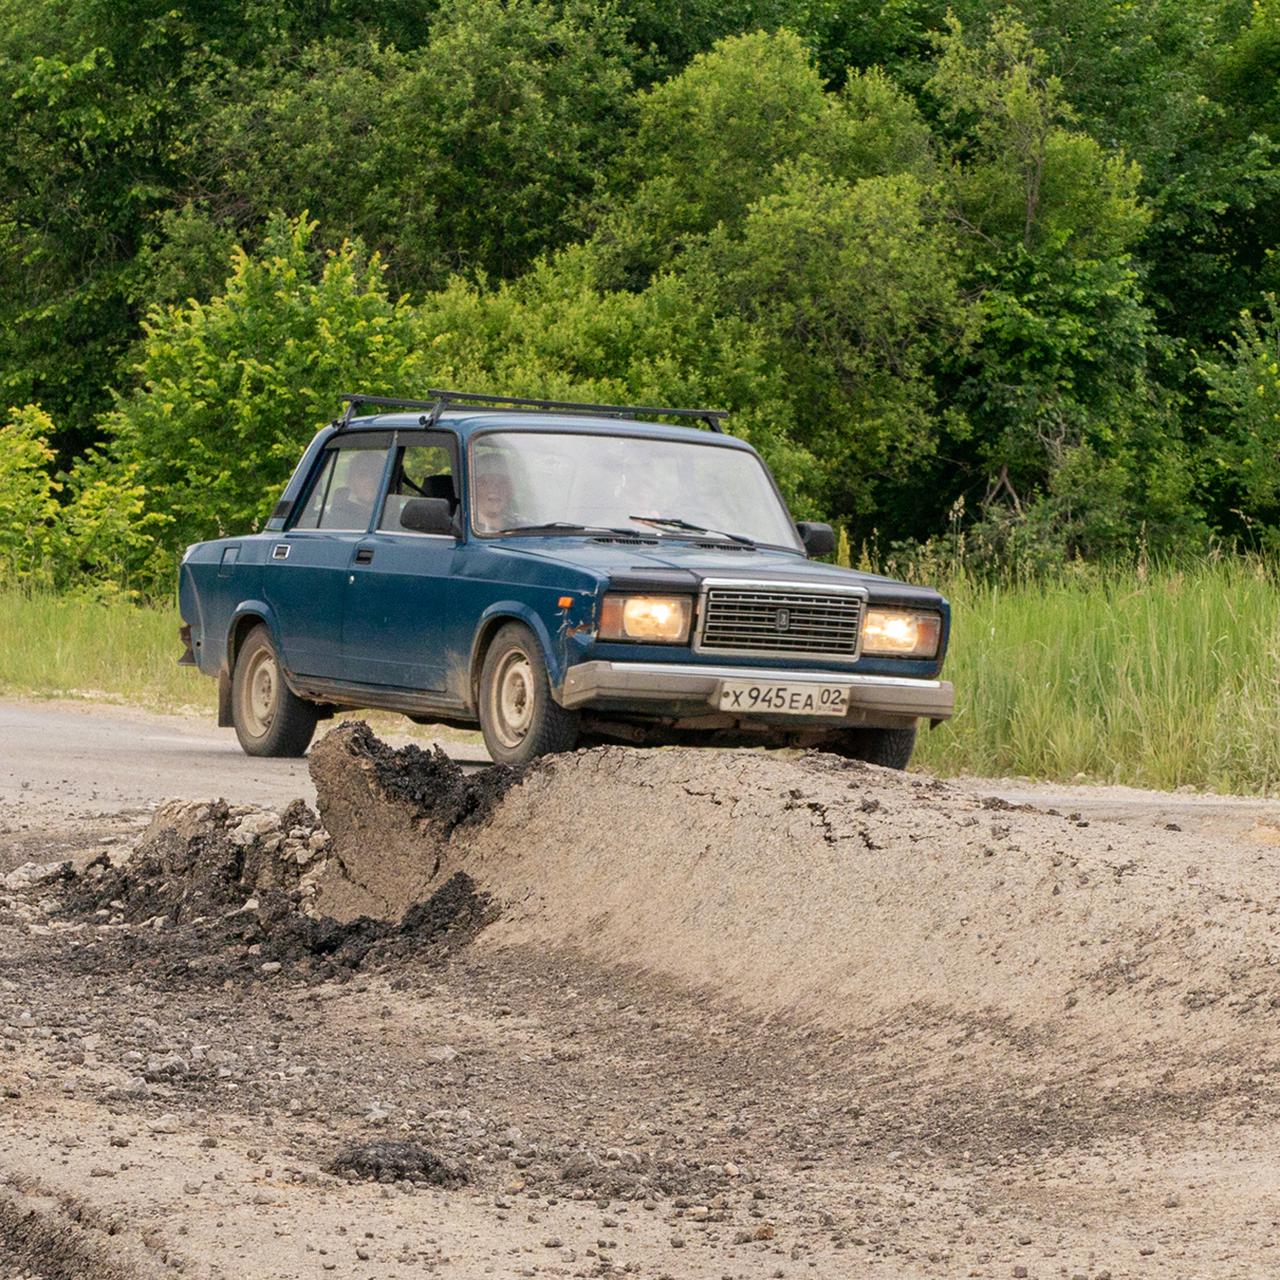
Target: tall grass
1161,679
66,647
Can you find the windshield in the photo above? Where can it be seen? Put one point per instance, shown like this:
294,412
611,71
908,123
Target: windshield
536,480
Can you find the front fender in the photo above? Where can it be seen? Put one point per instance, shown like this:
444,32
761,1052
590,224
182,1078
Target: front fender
515,611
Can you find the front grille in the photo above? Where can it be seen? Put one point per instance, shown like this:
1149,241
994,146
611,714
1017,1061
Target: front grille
757,620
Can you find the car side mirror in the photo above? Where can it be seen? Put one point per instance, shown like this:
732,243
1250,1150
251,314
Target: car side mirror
818,539
429,515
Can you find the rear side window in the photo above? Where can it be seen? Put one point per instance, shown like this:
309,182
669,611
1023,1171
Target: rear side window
421,471
346,489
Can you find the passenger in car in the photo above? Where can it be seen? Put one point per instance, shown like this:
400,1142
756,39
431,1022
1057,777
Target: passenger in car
494,495
352,504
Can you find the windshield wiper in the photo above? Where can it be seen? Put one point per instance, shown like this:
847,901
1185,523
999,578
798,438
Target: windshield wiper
674,522
567,526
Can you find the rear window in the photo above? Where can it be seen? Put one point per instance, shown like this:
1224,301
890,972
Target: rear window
346,489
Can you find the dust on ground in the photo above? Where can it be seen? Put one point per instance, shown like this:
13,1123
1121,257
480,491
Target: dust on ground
650,1013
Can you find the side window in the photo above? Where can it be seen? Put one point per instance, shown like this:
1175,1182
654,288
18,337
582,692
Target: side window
345,492
421,471
310,517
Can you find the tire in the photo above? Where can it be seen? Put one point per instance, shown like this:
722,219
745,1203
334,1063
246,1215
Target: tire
270,719
889,748
518,716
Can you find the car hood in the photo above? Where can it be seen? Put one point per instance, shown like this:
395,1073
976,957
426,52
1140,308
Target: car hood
680,564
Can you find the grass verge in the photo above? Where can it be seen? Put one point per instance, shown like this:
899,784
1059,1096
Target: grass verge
67,647
1161,679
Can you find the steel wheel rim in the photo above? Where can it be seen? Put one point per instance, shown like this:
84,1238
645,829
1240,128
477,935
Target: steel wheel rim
261,693
513,699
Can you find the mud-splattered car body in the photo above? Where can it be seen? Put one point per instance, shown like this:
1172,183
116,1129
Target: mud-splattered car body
402,618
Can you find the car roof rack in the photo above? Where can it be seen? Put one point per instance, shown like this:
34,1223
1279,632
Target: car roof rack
442,400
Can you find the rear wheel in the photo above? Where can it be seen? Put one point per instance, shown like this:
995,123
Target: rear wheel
518,716
270,719
890,748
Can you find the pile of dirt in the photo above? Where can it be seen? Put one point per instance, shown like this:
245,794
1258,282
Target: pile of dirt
825,891
392,1161
244,880
196,860
390,815
800,887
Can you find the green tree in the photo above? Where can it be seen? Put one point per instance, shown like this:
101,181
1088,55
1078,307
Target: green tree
1024,175
710,139
724,133
231,391
106,535
28,497
1058,384
473,152
556,333
95,97
1242,459
853,289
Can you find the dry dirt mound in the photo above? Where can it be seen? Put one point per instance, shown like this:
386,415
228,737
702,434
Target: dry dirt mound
801,887
812,888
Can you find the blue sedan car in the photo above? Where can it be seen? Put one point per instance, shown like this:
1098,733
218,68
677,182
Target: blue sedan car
556,574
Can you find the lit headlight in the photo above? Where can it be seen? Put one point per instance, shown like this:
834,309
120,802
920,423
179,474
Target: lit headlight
657,619
901,633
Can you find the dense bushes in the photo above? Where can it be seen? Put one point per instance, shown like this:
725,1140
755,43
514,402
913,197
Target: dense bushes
927,263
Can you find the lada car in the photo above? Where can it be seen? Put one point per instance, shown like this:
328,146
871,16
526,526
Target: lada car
556,574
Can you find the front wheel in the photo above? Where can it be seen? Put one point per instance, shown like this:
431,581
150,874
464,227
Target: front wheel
270,719
518,716
890,748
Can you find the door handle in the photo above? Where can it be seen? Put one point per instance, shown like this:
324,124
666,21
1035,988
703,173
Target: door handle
364,555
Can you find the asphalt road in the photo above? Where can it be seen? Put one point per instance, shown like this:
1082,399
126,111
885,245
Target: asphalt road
108,759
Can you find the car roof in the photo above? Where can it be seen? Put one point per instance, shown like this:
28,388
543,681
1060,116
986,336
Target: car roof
469,422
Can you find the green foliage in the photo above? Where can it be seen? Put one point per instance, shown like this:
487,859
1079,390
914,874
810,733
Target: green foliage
472,152
107,536
935,262
28,496
532,107
297,131
1244,388
85,542
557,333
95,97
853,293
70,645
844,556
231,391
710,138
1154,677
1024,176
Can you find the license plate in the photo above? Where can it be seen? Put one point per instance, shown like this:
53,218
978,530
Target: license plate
784,699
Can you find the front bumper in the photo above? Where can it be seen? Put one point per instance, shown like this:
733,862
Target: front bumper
657,687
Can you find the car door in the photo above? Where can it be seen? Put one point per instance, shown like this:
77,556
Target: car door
308,568
396,624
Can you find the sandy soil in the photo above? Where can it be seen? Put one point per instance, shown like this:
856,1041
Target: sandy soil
666,1013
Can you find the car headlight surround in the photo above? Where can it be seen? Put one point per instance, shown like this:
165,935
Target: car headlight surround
646,619
901,633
